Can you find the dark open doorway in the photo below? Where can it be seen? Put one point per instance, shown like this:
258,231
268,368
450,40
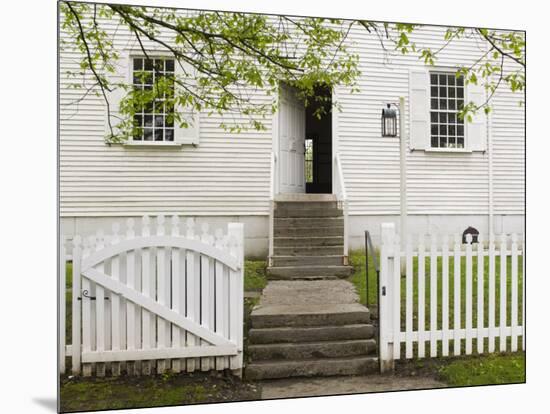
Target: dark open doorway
318,143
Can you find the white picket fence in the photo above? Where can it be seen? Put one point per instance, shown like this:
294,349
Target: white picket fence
489,308
156,301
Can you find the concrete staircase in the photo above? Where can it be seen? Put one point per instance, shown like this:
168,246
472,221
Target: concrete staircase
310,328
308,238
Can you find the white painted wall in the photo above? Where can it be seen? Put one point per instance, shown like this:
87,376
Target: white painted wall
227,175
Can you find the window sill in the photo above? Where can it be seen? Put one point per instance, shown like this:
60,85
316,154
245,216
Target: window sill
152,144
449,150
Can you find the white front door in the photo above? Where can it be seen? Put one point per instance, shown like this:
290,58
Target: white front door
292,134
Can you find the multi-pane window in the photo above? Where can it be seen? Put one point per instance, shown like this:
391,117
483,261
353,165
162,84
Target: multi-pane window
446,100
154,120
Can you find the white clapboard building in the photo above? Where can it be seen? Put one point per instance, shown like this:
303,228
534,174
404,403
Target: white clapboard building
457,175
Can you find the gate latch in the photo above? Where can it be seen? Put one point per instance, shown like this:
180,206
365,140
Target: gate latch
383,290
86,295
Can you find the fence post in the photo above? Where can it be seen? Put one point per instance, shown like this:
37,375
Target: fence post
62,304
236,291
385,297
76,338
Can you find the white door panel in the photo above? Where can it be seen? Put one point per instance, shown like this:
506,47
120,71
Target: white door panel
292,133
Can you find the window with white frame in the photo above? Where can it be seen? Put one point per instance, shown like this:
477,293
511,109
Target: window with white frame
446,100
153,121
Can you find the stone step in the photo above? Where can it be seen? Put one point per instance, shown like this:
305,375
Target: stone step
309,250
319,231
306,205
307,241
304,197
312,350
286,212
308,221
308,368
296,334
296,272
332,260
304,278
271,316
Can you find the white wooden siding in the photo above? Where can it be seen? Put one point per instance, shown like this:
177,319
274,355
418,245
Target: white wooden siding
508,132
228,174
437,183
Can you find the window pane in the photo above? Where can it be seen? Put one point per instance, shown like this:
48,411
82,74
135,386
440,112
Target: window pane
148,121
460,81
169,122
434,104
169,107
443,118
148,64
460,130
452,118
452,104
434,91
451,80
460,143
147,134
452,142
433,116
442,129
434,129
169,134
452,92
138,64
442,91
443,79
443,142
138,119
460,92
169,65
159,121
434,142
158,134
159,65
442,104
452,130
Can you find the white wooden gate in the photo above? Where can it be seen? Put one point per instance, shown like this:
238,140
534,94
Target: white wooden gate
423,307
292,134
157,301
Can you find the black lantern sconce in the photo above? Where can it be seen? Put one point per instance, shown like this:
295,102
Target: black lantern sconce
389,121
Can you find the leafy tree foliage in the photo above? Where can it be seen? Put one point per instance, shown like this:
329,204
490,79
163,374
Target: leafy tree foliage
221,57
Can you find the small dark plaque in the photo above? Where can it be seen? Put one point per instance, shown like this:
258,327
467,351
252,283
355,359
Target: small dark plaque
470,230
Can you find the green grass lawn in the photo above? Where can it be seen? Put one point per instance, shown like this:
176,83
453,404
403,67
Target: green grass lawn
488,369
254,274
85,394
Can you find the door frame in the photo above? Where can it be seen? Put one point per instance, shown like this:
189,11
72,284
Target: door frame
275,144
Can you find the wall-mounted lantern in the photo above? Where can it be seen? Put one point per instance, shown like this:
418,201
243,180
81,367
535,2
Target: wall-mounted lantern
389,121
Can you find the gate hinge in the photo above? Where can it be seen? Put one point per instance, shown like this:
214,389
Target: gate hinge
383,290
